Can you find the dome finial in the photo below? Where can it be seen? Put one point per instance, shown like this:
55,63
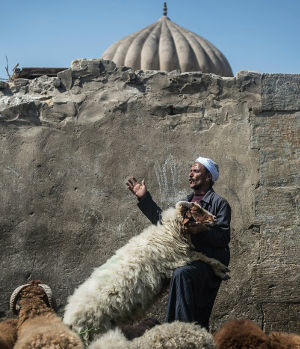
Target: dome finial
165,9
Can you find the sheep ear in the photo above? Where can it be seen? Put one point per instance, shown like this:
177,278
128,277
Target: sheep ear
195,204
14,299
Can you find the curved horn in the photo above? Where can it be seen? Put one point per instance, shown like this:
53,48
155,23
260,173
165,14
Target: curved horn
14,298
184,204
48,292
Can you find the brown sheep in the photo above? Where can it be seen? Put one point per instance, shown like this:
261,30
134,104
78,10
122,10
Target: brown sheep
38,325
8,333
282,340
137,330
237,334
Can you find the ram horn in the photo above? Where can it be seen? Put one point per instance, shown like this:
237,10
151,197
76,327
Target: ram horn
48,292
185,204
14,299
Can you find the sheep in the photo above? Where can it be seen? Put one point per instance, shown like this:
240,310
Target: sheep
236,334
246,334
282,340
137,330
38,325
175,335
8,333
122,288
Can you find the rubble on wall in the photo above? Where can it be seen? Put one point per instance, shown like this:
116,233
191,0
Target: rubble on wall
62,99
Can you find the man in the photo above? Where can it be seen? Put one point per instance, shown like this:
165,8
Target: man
194,287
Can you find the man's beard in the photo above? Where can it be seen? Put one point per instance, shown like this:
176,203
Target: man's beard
196,186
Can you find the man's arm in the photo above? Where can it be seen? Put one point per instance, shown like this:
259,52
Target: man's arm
146,204
150,209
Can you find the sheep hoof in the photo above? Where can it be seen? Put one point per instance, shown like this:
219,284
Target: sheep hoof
225,277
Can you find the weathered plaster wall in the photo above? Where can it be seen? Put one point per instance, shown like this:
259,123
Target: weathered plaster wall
276,135
69,143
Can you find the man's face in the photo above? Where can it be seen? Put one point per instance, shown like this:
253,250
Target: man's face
199,177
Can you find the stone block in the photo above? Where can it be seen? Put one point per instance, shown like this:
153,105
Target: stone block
67,108
24,113
85,67
277,137
276,283
280,92
277,205
65,77
107,66
275,316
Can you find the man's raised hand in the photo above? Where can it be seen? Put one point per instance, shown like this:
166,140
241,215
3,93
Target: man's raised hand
138,189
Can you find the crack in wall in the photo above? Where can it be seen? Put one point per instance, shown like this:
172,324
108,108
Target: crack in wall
29,275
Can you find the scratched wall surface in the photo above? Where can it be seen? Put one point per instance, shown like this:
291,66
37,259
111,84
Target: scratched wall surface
68,144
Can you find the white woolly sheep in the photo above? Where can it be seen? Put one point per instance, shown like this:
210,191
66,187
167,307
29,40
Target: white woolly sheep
38,325
127,283
175,335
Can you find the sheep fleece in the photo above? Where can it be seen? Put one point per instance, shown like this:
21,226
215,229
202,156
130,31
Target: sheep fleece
175,335
8,333
131,278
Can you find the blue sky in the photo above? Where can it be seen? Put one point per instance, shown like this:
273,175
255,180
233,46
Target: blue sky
257,35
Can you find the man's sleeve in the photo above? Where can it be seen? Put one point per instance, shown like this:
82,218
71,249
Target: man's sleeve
218,236
150,208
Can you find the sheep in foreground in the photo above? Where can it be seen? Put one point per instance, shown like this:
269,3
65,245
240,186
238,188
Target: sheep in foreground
38,325
282,340
129,281
8,333
175,335
137,330
236,334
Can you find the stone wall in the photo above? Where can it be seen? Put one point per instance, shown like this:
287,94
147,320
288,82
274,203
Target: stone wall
68,144
276,136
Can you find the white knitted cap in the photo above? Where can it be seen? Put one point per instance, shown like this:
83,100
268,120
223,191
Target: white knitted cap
211,166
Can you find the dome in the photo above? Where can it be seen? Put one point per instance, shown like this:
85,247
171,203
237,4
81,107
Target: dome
166,46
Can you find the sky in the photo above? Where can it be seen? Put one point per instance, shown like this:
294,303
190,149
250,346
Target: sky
255,35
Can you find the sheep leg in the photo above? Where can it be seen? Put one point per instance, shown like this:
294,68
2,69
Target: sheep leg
219,268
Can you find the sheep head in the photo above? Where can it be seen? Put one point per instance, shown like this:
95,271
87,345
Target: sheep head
33,289
194,213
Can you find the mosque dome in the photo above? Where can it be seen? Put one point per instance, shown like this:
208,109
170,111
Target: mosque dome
166,46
